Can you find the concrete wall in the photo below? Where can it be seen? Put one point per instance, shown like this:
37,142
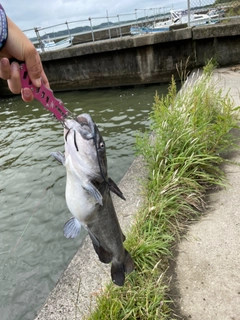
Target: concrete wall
118,62
221,42
142,59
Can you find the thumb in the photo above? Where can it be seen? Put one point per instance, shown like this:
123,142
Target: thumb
18,46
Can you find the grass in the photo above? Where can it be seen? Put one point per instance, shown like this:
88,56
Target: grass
234,10
190,130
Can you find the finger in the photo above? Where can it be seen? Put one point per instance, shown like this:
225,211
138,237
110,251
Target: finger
34,66
27,95
45,79
14,82
5,70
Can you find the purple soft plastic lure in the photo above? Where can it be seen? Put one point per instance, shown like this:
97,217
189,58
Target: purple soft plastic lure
44,95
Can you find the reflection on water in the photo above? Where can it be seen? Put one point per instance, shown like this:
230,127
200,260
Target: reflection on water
33,251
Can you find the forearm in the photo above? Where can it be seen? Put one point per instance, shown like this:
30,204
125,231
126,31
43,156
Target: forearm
19,47
17,43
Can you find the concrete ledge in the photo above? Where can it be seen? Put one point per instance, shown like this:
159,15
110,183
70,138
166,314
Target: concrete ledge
118,44
194,33
217,30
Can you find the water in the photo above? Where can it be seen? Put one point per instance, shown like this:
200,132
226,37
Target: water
33,251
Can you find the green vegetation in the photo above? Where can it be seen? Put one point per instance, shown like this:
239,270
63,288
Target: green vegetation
232,7
190,130
222,1
234,10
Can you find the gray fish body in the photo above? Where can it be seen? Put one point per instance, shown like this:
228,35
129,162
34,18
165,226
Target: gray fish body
88,195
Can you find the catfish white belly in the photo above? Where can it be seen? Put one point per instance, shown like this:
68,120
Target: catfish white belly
80,203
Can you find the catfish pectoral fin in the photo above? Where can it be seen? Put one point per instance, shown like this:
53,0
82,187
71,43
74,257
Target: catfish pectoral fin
72,228
90,188
118,270
59,156
114,188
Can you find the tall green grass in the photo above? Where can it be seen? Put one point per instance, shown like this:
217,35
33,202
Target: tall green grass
182,151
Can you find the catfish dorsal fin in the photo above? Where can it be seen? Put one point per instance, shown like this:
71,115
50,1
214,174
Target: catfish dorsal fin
114,188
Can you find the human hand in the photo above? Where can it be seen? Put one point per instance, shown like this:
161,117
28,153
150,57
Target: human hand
19,47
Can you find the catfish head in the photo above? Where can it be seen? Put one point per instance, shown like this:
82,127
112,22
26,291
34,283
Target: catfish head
85,149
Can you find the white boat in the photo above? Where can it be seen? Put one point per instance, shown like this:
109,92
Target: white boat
50,45
215,14
177,17
135,30
196,19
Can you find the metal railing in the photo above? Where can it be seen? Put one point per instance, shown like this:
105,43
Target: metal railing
112,26
115,25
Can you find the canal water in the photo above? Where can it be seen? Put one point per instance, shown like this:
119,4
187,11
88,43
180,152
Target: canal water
33,251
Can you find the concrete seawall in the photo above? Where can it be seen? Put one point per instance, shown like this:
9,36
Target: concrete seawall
143,59
149,58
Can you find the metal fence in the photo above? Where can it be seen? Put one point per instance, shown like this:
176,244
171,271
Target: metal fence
110,26
117,25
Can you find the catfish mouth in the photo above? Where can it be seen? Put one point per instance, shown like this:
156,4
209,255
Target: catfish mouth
87,127
82,124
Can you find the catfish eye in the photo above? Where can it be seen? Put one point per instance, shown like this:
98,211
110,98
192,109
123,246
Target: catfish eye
101,144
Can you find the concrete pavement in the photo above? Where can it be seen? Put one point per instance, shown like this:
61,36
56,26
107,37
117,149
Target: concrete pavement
207,273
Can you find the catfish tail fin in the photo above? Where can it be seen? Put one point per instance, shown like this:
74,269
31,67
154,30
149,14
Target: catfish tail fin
118,270
118,274
128,262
